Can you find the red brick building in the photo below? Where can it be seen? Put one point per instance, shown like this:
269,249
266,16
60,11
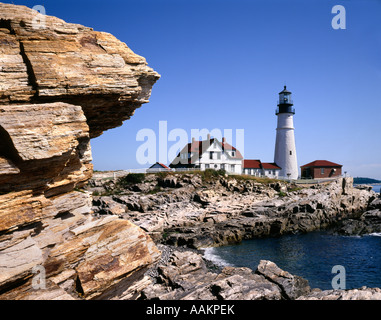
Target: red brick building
321,169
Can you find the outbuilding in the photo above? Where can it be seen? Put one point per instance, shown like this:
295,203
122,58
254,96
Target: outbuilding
320,169
158,167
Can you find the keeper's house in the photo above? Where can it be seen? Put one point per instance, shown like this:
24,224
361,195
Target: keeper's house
320,169
209,154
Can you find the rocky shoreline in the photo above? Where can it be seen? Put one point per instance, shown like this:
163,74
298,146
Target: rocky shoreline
184,274
138,236
187,212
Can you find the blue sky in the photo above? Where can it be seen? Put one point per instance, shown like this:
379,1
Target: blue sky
223,63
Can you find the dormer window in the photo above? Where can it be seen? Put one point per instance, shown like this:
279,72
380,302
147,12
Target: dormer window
233,153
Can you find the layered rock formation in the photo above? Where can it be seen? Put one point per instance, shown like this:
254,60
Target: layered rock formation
184,275
185,210
62,84
54,61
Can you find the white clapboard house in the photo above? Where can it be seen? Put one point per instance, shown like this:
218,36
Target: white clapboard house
209,154
261,169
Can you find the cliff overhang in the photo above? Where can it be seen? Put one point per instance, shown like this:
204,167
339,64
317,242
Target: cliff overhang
61,85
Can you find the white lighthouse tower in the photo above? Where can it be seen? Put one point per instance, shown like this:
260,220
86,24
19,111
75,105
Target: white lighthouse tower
285,149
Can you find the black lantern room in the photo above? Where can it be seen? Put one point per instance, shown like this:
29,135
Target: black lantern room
285,104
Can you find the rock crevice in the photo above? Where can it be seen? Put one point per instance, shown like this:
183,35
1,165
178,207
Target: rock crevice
61,85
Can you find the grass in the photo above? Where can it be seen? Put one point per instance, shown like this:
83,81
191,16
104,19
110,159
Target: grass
156,190
282,194
132,178
264,180
207,176
210,175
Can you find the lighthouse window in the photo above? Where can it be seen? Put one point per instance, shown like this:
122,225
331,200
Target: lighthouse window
290,153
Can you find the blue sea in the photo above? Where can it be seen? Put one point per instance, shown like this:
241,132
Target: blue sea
311,256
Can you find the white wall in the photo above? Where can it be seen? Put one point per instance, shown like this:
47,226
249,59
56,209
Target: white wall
285,143
218,161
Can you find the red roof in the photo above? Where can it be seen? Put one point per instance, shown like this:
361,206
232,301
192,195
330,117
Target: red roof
252,164
322,163
201,146
227,146
163,165
257,164
270,166
160,164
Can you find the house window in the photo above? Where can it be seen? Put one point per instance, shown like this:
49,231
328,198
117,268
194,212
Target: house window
207,166
211,155
322,171
232,168
233,153
223,166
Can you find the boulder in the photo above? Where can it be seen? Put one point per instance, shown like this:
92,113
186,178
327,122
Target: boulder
184,276
363,293
291,286
62,84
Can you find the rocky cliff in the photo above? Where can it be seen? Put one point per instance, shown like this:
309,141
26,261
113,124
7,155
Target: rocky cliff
186,212
62,84
189,210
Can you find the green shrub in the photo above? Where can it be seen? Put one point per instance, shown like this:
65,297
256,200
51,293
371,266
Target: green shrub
282,194
132,178
210,174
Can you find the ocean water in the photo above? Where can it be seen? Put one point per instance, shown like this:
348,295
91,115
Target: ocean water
311,256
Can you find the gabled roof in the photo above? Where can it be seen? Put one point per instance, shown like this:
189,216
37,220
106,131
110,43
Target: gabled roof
322,163
257,164
226,146
252,164
271,166
198,148
161,165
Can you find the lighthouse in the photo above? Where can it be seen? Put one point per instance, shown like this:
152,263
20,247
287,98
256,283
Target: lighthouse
285,149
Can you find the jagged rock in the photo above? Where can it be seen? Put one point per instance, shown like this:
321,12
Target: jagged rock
62,84
62,62
363,293
211,215
50,292
364,187
185,276
291,286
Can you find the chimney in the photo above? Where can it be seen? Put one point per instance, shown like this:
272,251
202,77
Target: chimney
223,140
193,140
209,137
